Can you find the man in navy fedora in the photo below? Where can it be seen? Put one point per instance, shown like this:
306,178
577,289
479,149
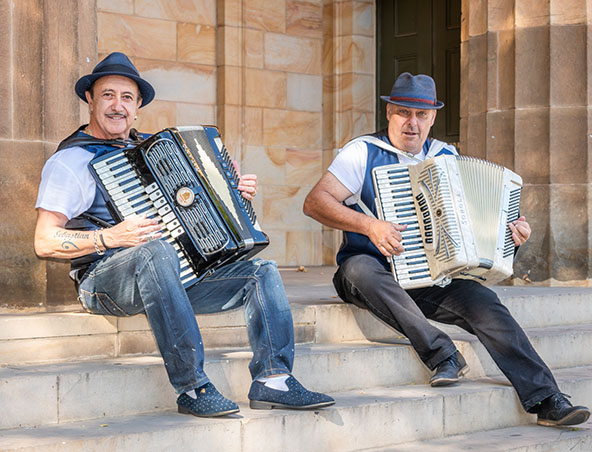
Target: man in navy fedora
364,277
123,269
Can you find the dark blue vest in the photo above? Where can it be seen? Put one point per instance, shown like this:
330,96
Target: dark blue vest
354,243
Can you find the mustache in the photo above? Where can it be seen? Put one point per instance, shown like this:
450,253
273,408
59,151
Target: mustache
116,114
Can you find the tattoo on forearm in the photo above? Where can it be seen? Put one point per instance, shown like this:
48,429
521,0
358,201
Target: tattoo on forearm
68,245
68,238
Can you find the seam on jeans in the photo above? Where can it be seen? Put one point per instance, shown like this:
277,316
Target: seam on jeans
272,352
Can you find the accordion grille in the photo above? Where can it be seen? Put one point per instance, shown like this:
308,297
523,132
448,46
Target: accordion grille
173,172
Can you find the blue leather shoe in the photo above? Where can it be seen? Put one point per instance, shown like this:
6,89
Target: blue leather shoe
209,403
296,398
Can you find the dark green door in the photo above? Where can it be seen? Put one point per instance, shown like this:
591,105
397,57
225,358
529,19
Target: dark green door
421,36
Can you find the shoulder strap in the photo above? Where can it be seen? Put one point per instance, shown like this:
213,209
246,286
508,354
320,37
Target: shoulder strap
75,140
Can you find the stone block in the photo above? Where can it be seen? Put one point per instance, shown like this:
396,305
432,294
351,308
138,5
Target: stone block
296,129
194,11
16,395
6,55
196,43
331,241
292,54
568,63
138,36
27,74
568,12
303,167
303,247
477,77
568,145
477,17
532,67
500,138
61,69
341,16
282,205
22,279
229,46
269,163
156,116
45,325
253,48
96,385
304,92
264,15
265,88
136,343
506,57
532,13
116,6
500,15
477,136
568,232
229,12
253,127
229,86
532,260
180,82
193,114
60,288
229,121
57,349
531,141
464,86
304,18
276,250
363,18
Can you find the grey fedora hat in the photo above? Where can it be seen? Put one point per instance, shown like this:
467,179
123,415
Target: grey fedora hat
115,63
414,91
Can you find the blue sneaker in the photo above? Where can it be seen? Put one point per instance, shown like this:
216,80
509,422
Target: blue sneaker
297,397
209,403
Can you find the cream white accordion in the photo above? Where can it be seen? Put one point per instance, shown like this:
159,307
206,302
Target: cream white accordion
457,211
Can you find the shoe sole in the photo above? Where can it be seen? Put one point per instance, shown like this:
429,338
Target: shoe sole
261,405
449,381
184,410
573,418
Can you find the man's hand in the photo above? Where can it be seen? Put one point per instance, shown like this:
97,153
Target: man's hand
520,231
386,236
131,232
247,183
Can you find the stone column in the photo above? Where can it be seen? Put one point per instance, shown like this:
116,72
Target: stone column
349,85
44,47
524,104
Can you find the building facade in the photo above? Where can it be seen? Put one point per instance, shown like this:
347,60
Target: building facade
288,82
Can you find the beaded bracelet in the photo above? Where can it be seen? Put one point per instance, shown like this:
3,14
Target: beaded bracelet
97,249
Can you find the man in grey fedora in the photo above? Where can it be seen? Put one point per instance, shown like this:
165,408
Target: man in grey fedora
124,269
364,277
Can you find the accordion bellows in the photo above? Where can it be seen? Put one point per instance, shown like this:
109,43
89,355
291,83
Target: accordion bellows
457,210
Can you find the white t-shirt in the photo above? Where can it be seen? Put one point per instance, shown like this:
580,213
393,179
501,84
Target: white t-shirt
66,185
349,166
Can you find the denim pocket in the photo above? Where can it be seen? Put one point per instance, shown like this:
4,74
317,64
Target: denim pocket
100,303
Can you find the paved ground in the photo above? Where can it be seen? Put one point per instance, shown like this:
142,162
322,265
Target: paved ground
313,285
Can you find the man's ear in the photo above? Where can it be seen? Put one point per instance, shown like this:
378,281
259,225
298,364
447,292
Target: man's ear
434,117
89,98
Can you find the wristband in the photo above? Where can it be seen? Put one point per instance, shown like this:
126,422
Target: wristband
103,241
97,249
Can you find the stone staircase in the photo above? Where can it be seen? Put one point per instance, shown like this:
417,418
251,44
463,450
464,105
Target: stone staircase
74,381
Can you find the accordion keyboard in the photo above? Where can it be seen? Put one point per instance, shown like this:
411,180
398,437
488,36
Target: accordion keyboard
130,197
396,205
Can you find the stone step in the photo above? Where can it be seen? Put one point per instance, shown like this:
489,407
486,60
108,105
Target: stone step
318,317
93,389
525,438
361,419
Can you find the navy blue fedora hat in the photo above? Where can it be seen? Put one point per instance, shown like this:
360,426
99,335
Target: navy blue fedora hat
115,63
414,91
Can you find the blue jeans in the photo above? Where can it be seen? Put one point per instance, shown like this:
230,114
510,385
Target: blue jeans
145,279
365,282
